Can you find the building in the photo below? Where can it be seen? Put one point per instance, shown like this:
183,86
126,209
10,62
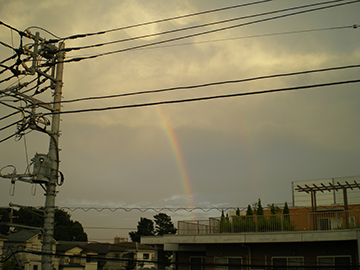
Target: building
93,256
25,248
3,238
320,235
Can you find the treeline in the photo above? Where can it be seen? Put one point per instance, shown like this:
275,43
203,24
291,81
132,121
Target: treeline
256,221
145,227
65,229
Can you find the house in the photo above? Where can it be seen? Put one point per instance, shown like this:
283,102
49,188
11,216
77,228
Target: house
320,235
92,256
3,238
25,248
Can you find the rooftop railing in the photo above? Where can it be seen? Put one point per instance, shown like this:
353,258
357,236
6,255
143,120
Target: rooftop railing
311,221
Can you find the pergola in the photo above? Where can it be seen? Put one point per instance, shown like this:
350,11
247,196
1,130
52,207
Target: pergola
314,188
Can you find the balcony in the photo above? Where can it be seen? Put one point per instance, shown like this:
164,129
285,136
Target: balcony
334,219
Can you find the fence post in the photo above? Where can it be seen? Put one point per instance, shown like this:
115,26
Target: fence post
256,223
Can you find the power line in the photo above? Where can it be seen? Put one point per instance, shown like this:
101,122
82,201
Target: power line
354,26
190,27
9,115
208,97
159,21
77,59
145,209
7,138
257,36
10,125
7,45
21,33
210,84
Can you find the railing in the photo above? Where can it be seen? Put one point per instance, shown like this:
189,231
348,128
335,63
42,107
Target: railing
329,220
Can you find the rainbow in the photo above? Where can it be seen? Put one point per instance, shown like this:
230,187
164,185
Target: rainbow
177,153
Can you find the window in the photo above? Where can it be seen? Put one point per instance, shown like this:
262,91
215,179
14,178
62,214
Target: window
329,223
197,263
287,261
146,256
227,263
35,267
234,263
352,222
337,261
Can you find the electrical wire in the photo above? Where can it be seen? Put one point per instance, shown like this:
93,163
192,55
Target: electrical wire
9,115
10,125
40,28
10,106
354,26
206,98
8,46
254,263
9,58
7,138
256,36
159,21
145,209
21,33
77,59
209,84
194,27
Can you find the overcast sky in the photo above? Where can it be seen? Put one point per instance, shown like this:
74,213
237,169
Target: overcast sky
219,153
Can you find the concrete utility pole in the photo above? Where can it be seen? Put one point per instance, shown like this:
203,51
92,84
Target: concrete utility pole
46,166
49,209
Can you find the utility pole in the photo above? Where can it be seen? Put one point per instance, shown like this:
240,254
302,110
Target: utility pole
49,209
46,167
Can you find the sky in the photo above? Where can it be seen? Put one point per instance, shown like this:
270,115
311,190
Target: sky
218,153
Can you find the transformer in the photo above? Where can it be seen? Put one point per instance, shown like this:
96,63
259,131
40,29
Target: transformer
42,168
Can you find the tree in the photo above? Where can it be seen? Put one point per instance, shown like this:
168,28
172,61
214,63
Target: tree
259,209
164,224
65,229
249,211
286,211
275,221
145,227
288,225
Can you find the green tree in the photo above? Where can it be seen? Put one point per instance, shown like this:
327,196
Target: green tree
275,221
259,209
237,221
288,225
4,218
274,210
249,220
286,211
65,229
249,211
225,225
261,221
164,224
145,227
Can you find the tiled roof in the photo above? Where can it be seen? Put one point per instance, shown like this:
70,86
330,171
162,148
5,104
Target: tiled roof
22,236
102,248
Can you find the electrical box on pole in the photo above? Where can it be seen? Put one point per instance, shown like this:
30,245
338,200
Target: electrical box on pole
42,168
